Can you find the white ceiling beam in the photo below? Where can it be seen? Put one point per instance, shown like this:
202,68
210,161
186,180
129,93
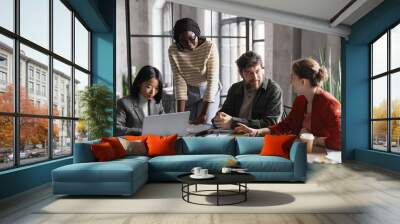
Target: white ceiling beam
269,15
348,12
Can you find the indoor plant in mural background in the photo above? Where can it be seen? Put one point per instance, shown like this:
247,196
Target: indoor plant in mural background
334,82
96,102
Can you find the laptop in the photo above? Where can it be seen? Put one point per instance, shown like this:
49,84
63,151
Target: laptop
166,124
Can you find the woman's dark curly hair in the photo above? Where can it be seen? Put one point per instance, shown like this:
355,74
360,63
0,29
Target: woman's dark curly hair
185,24
145,74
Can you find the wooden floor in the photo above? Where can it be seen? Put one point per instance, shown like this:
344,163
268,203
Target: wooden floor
377,188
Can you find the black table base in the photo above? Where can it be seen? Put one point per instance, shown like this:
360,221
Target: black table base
220,193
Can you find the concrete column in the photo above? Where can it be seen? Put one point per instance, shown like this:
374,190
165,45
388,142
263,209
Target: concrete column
121,50
139,22
282,59
268,44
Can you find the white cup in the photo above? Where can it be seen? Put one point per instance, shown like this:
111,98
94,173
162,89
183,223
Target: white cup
203,172
196,170
308,138
226,170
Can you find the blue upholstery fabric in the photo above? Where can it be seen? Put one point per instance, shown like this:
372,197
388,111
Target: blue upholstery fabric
83,152
119,177
257,163
207,145
184,163
246,145
298,155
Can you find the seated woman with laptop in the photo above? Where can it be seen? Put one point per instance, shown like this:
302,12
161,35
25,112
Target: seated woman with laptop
144,100
315,111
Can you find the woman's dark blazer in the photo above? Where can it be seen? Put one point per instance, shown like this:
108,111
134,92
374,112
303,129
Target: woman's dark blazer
130,115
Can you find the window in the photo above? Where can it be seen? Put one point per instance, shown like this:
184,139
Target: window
3,72
45,131
44,91
3,78
152,38
30,87
6,73
62,74
38,89
37,75
62,29
385,96
30,72
7,14
3,61
34,22
81,45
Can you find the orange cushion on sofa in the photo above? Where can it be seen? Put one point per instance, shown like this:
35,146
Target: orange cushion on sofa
161,145
134,137
103,151
277,145
116,145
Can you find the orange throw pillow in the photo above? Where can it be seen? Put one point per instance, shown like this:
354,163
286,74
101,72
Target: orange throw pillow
277,145
161,145
103,151
116,145
134,137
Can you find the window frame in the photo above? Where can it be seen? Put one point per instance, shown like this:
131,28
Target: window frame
221,22
388,74
15,72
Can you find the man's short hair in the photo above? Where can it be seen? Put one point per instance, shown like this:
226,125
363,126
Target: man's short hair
249,59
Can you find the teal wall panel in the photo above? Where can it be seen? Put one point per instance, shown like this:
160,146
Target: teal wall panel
356,81
24,178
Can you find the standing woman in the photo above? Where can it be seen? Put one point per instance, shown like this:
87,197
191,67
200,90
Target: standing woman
314,110
144,100
194,63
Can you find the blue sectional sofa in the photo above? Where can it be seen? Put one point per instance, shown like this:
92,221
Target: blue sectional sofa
125,176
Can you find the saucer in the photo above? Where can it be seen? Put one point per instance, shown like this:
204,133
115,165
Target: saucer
208,176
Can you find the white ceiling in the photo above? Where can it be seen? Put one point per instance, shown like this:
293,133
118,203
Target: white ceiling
320,9
315,15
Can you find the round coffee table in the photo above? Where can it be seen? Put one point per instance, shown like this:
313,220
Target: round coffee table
238,179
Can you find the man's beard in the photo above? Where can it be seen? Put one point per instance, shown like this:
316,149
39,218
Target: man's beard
250,86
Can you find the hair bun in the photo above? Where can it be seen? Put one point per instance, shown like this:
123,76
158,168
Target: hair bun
322,74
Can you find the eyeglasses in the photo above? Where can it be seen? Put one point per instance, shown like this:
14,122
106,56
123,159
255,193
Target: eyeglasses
191,38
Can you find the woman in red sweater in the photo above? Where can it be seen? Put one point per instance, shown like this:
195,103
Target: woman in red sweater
321,117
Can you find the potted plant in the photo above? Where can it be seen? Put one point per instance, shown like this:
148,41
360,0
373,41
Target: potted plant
97,103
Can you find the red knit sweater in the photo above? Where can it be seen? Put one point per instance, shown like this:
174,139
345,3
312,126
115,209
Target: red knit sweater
325,119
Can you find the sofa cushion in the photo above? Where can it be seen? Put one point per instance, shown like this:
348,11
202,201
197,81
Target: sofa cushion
206,145
257,163
103,152
116,144
249,145
161,145
185,163
112,171
277,145
133,147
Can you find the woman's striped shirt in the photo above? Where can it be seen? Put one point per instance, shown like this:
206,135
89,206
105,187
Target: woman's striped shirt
194,68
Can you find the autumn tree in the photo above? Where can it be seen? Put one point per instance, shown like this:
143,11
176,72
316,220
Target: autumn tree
380,127
32,130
